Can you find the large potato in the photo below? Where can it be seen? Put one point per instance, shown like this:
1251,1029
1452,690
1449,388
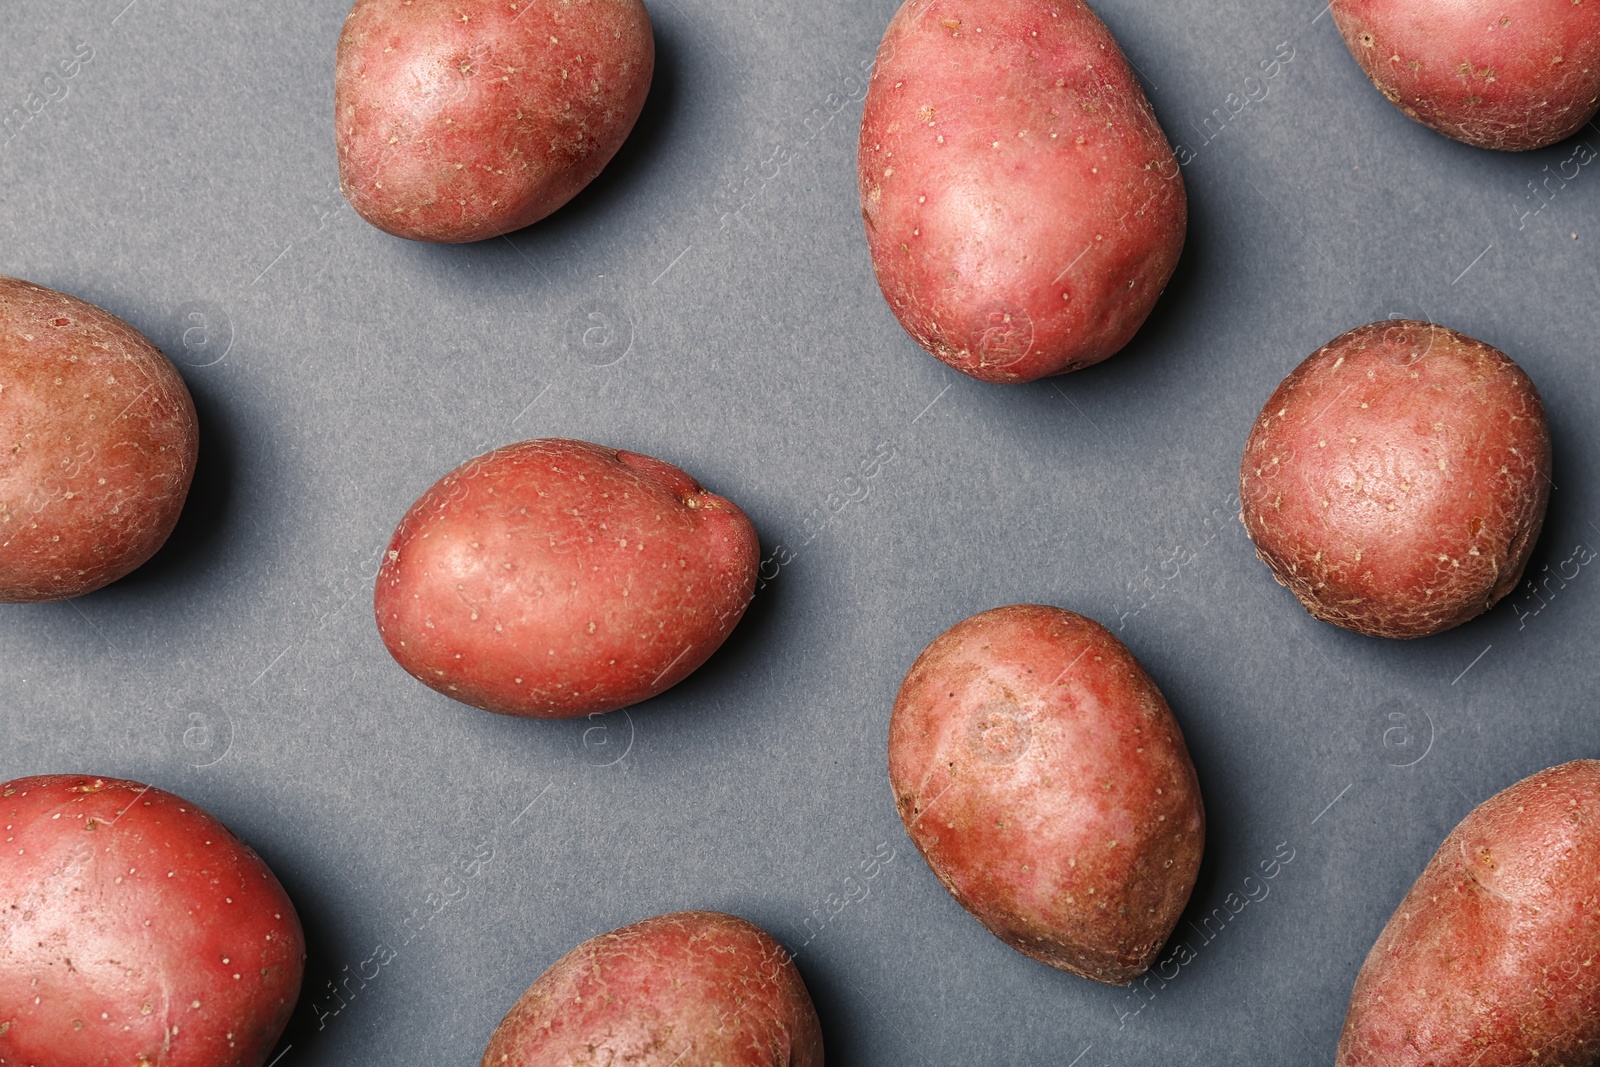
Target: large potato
137,932
1493,958
457,120
1023,208
98,442
556,578
1396,481
688,989
1042,776
1509,74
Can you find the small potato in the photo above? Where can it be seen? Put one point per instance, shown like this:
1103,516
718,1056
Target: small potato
1023,208
136,932
457,120
1042,776
1397,480
688,989
98,441
556,578
1512,74
1493,958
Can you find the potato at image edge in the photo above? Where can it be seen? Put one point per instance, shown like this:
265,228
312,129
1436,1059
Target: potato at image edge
137,930
98,442
1022,206
1512,74
1042,776
1396,481
687,989
457,120
557,578
1493,957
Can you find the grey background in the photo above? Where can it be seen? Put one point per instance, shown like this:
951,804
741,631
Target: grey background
706,305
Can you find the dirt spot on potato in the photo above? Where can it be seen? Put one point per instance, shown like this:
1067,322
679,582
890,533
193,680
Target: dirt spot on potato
999,732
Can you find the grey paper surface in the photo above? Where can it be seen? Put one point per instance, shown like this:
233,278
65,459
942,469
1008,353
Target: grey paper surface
708,304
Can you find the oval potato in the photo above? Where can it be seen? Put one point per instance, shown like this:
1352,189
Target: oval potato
1493,957
98,443
1396,481
1022,206
1039,771
687,988
557,578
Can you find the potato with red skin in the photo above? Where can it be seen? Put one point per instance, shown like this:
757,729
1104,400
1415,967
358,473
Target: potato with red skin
457,120
687,989
136,930
1505,74
1022,206
1039,771
1493,957
98,442
557,578
1396,481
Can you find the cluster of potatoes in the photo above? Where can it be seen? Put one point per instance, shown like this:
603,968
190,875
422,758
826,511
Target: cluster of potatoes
1023,211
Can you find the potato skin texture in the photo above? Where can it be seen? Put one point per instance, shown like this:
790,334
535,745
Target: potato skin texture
136,930
557,578
458,120
1491,958
1396,481
1022,206
1507,74
1039,771
686,989
98,442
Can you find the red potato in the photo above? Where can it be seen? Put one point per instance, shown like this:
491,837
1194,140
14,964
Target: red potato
1396,481
1022,206
556,578
136,931
1507,74
457,120
688,989
1042,776
1493,957
99,441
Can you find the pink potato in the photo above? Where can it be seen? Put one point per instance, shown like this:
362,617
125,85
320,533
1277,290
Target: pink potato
1022,206
136,931
1042,776
457,120
1493,957
556,578
1507,74
98,442
1396,481
688,989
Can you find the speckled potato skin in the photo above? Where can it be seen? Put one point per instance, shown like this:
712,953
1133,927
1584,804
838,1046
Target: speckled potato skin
1506,74
1023,207
687,989
1039,771
1493,957
98,441
458,120
136,931
1396,481
557,578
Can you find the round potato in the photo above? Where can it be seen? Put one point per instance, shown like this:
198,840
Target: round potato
1023,208
457,120
1493,958
686,989
1397,480
98,442
1042,776
556,578
138,932
1507,74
